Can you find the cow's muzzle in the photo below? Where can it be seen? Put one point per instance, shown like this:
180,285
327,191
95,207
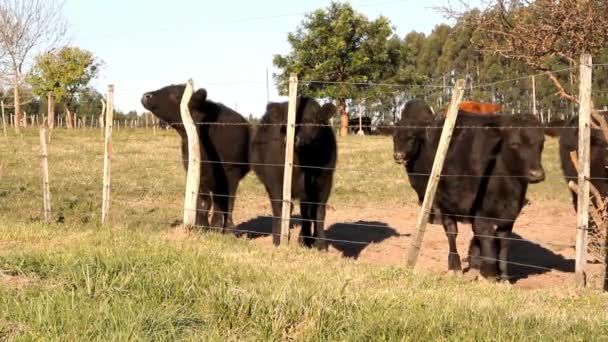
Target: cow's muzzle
400,158
536,176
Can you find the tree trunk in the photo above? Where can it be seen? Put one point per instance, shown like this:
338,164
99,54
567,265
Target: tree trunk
17,100
343,117
69,117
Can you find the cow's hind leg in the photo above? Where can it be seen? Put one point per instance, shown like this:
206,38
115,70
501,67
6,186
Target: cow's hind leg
306,232
220,206
485,234
504,241
451,230
319,221
474,254
203,205
277,207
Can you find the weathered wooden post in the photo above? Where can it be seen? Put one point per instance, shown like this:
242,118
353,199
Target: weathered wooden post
51,110
534,109
107,159
360,132
3,118
193,177
584,145
288,167
44,164
435,176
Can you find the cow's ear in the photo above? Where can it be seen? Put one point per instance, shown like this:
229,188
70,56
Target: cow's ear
327,112
196,104
198,99
276,112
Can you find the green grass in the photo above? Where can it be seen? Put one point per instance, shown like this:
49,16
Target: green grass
137,280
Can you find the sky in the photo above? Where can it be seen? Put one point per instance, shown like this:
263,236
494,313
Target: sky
224,46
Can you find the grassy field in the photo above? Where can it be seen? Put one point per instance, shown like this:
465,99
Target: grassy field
136,280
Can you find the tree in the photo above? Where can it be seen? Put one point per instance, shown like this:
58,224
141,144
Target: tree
64,73
26,26
341,50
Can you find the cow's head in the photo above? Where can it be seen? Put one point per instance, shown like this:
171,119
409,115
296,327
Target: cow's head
165,103
523,141
408,138
312,122
410,132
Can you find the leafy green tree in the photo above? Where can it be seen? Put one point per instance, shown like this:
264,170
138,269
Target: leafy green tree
64,73
342,50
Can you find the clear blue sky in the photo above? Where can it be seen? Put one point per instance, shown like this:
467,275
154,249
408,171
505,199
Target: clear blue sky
146,44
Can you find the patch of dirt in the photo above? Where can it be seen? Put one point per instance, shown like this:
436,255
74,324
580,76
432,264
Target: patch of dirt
542,254
16,281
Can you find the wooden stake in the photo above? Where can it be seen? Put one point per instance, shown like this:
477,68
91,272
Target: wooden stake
107,157
360,132
3,118
534,110
44,163
288,167
584,144
442,149
51,110
193,178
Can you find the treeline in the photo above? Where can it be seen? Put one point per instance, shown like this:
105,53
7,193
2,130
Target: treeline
341,55
87,103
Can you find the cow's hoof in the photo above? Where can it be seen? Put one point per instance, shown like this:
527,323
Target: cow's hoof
305,242
455,273
321,245
472,275
487,280
454,263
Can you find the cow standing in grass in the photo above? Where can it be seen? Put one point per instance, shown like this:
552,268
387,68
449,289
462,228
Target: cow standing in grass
568,143
315,154
224,138
489,164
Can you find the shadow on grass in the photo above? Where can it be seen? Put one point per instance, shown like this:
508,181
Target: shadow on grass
540,259
349,238
261,226
355,237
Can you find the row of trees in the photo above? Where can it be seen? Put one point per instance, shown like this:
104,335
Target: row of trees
36,67
341,55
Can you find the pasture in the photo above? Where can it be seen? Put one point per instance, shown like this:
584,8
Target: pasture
143,277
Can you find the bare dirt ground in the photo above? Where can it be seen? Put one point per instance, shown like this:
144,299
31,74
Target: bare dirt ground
382,237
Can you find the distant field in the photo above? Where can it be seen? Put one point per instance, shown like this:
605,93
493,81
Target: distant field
142,279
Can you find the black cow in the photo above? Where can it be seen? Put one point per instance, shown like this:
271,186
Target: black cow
490,162
366,125
568,143
315,155
224,138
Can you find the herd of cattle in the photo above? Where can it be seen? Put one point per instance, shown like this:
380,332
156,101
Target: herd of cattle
491,160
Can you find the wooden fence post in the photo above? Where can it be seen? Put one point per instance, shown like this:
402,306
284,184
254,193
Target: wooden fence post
360,132
584,142
193,177
107,157
435,176
51,110
534,109
44,164
288,167
3,117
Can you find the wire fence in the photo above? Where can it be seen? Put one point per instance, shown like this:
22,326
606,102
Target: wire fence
404,233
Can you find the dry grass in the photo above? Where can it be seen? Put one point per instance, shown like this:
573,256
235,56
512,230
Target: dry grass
137,279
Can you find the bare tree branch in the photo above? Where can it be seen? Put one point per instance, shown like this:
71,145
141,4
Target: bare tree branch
26,27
